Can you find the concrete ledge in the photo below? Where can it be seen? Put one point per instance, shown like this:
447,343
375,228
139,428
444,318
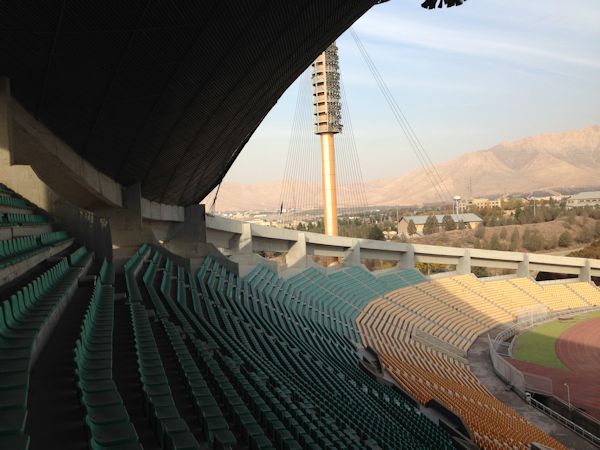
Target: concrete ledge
16,270
24,230
230,234
30,230
162,212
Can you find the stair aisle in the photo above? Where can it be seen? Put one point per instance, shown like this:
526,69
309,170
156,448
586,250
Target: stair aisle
125,372
55,418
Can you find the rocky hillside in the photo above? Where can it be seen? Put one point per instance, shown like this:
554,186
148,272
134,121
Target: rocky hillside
553,161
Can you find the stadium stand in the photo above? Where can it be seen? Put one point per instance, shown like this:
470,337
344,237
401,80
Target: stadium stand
421,331
106,416
258,358
133,116
190,360
38,278
586,291
26,321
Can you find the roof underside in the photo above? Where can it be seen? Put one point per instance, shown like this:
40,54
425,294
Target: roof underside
163,92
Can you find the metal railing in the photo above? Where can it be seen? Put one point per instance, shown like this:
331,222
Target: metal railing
592,438
526,383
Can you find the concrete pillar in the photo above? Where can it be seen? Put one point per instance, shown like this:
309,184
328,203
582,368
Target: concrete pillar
296,255
5,124
407,259
352,256
195,222
585,274
523,267
126,227
464,264
243,251
244,244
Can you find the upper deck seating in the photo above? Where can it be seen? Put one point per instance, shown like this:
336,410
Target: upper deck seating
273,374
27,319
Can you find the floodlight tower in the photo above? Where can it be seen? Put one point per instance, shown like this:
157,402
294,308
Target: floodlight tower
328,122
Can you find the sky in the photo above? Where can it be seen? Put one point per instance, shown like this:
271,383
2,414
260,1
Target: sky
466,78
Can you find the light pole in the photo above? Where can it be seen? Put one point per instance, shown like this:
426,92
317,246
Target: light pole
568,394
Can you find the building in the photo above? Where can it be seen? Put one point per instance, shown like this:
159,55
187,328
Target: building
591,198
470,220
465,204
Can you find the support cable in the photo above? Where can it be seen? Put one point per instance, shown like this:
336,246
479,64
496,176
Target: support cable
417,147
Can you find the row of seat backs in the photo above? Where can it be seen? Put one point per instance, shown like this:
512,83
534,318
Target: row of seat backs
14,246
107,419
80,257
16,219
107,273
13,202
30,293
221,291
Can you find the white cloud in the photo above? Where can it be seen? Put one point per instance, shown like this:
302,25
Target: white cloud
512,44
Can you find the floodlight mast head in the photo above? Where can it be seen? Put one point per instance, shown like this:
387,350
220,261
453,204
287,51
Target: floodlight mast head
328,122
326,92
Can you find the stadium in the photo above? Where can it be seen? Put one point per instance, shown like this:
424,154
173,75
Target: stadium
132,318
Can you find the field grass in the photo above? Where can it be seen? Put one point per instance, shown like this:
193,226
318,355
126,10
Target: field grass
538,346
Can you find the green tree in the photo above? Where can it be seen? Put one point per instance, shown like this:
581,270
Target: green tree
565,239
518,212
515,238
585,235
431,225
533,241
448,223
412,228
503,233
376,234
480,231
495,242
461,225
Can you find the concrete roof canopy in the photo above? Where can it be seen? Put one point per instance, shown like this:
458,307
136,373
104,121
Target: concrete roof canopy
162,92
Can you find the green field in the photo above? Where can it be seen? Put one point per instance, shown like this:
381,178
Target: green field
538,346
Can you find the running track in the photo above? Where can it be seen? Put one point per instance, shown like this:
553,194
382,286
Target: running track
579,349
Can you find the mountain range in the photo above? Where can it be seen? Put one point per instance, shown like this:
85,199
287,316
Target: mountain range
552,162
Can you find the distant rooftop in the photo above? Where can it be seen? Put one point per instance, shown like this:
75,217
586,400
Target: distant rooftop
586,195
420,220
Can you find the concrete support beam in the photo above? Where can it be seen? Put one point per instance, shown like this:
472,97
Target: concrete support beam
352,257
407,259
296,256
126,226
161,212
464,264
243,254
244,241
523,267
586,272
58,165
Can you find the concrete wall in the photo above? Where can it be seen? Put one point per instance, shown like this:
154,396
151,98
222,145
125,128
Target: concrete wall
299,245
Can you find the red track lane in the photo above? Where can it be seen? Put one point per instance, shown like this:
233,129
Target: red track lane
579,349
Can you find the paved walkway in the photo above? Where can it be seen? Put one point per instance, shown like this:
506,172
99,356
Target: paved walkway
481,366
